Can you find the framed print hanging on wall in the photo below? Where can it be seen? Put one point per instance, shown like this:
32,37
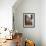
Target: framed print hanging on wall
29,20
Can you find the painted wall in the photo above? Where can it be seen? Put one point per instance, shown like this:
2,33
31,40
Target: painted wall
6,16
6,13
43,22
28,6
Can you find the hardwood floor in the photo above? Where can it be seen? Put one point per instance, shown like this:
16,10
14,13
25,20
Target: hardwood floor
9,43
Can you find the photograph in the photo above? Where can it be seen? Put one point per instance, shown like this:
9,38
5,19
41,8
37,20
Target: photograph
22,22
29,19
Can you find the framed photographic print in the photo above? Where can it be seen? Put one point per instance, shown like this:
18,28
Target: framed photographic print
29,20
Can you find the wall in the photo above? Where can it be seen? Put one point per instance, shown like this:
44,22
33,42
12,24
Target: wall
6,13
28,6
43,22
6,16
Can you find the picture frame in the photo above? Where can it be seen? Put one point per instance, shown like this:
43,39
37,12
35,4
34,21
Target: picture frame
13,22
28,20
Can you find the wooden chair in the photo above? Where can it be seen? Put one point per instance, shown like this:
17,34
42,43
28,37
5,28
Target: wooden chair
29,43
18,39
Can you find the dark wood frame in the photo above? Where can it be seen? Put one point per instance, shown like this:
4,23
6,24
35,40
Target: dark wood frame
33,14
